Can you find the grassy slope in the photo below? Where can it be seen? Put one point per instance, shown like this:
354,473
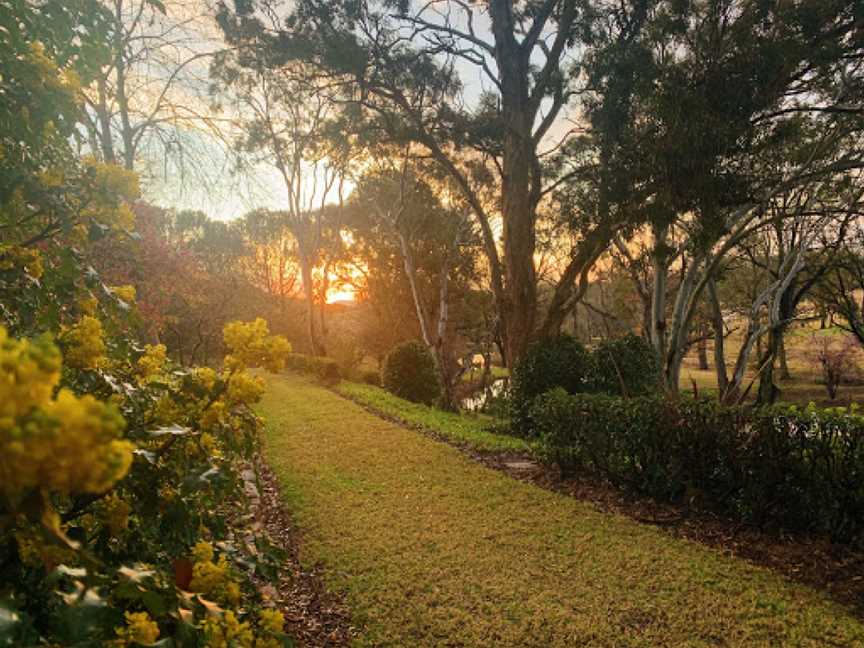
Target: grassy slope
435,550
470,429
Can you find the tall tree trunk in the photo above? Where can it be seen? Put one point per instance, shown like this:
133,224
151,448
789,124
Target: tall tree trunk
660,262
784,363
309,291
719,339
520,190
702,351
126,129
436,341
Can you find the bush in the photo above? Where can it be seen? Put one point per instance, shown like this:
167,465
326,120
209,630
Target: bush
555,362
801,470
409,372
627,366
323,368
371,378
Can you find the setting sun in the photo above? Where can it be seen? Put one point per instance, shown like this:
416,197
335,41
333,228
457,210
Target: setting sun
341,294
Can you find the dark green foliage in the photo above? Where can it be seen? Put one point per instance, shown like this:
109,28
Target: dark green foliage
627,366
409,372
326,369
798,469
554,362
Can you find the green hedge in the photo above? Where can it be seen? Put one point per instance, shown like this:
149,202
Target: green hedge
626,366
797,469
561,361
325,369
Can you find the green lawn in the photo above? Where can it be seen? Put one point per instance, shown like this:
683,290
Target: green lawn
465,428
432,549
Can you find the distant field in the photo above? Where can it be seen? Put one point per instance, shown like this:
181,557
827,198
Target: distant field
804,385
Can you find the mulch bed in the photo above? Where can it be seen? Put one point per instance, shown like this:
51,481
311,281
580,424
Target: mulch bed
314,617
837,570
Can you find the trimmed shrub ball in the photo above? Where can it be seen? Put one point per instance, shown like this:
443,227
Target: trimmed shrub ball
409,372
559,361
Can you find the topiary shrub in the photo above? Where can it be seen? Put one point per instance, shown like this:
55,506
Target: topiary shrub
409,372
627,366
554,362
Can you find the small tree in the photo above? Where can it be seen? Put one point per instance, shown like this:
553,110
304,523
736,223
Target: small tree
836,358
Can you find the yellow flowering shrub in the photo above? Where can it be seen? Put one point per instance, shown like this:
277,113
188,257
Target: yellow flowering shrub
29,372
115,514
88,305
228,632
113,186
244,388
213,579
139,629
152,361
205,376
83,344
70,445
126,293
65,444
251,345
28,259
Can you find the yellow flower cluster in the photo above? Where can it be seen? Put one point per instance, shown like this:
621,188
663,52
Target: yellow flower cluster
139,629
271,622
62,444
113,186
126,293
83,345
17,257
205,376
115,514
152,361
244,388
213,579
29,372
251,345
88,305
228,632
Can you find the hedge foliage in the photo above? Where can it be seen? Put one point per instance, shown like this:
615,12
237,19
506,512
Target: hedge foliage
325,369
627,366
784,466
409,372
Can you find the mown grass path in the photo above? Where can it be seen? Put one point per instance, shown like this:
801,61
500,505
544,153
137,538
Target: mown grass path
433,549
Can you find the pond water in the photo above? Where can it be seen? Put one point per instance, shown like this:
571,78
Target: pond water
477,401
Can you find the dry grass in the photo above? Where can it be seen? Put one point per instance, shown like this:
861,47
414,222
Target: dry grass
804,385
435,550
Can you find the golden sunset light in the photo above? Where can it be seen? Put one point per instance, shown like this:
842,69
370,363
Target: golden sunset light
431,323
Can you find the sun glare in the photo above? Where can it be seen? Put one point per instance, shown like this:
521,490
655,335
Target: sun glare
342,294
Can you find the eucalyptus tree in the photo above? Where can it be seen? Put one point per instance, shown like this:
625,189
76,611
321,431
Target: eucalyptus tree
482,88
282,120
728,105
808,227
842,288
435,241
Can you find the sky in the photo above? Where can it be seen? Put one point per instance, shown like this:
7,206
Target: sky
205,181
